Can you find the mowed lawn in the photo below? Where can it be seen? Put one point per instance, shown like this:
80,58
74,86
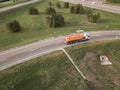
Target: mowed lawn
55,72
35,27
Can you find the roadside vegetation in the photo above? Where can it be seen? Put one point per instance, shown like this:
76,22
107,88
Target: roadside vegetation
55,71
35,27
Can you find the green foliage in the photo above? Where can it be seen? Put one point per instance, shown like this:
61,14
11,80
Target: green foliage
33,11
77,9
72,9
50,11
14,26
66,4
50,3
58,5
92,17
55,20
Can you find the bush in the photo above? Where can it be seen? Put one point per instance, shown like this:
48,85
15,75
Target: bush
50,3
72,9
58,5
79,9
33,11
66,4
94,18
50,11
14,26
55,20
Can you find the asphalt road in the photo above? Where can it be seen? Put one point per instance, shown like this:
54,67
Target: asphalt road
21,54
17,5
96,4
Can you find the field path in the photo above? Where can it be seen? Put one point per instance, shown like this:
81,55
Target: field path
76,67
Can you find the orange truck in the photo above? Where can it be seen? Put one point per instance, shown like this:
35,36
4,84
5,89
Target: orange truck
76,38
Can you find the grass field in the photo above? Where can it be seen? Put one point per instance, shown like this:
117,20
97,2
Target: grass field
50,72
87,58
55,72
35,27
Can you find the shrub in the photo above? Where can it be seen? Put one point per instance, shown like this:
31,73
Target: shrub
58,5
72,9
79,9
33,11
94,18
14,26
50,11
55,20
66,4
50,3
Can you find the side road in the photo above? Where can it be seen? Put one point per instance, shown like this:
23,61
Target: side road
18,5
96,4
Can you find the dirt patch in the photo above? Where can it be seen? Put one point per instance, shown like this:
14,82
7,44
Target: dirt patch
91,85
89,63
88,60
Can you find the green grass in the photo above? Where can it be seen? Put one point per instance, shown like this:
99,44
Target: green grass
10,3
54,71
87,58
35,27
50,72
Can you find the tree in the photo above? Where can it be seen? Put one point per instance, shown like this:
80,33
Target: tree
50,3
14,26
66,4
33,11
50,11
58,5
79,9
55,20
94,18
72,9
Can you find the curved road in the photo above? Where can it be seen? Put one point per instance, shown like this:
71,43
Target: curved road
21,54
17,5
96,4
